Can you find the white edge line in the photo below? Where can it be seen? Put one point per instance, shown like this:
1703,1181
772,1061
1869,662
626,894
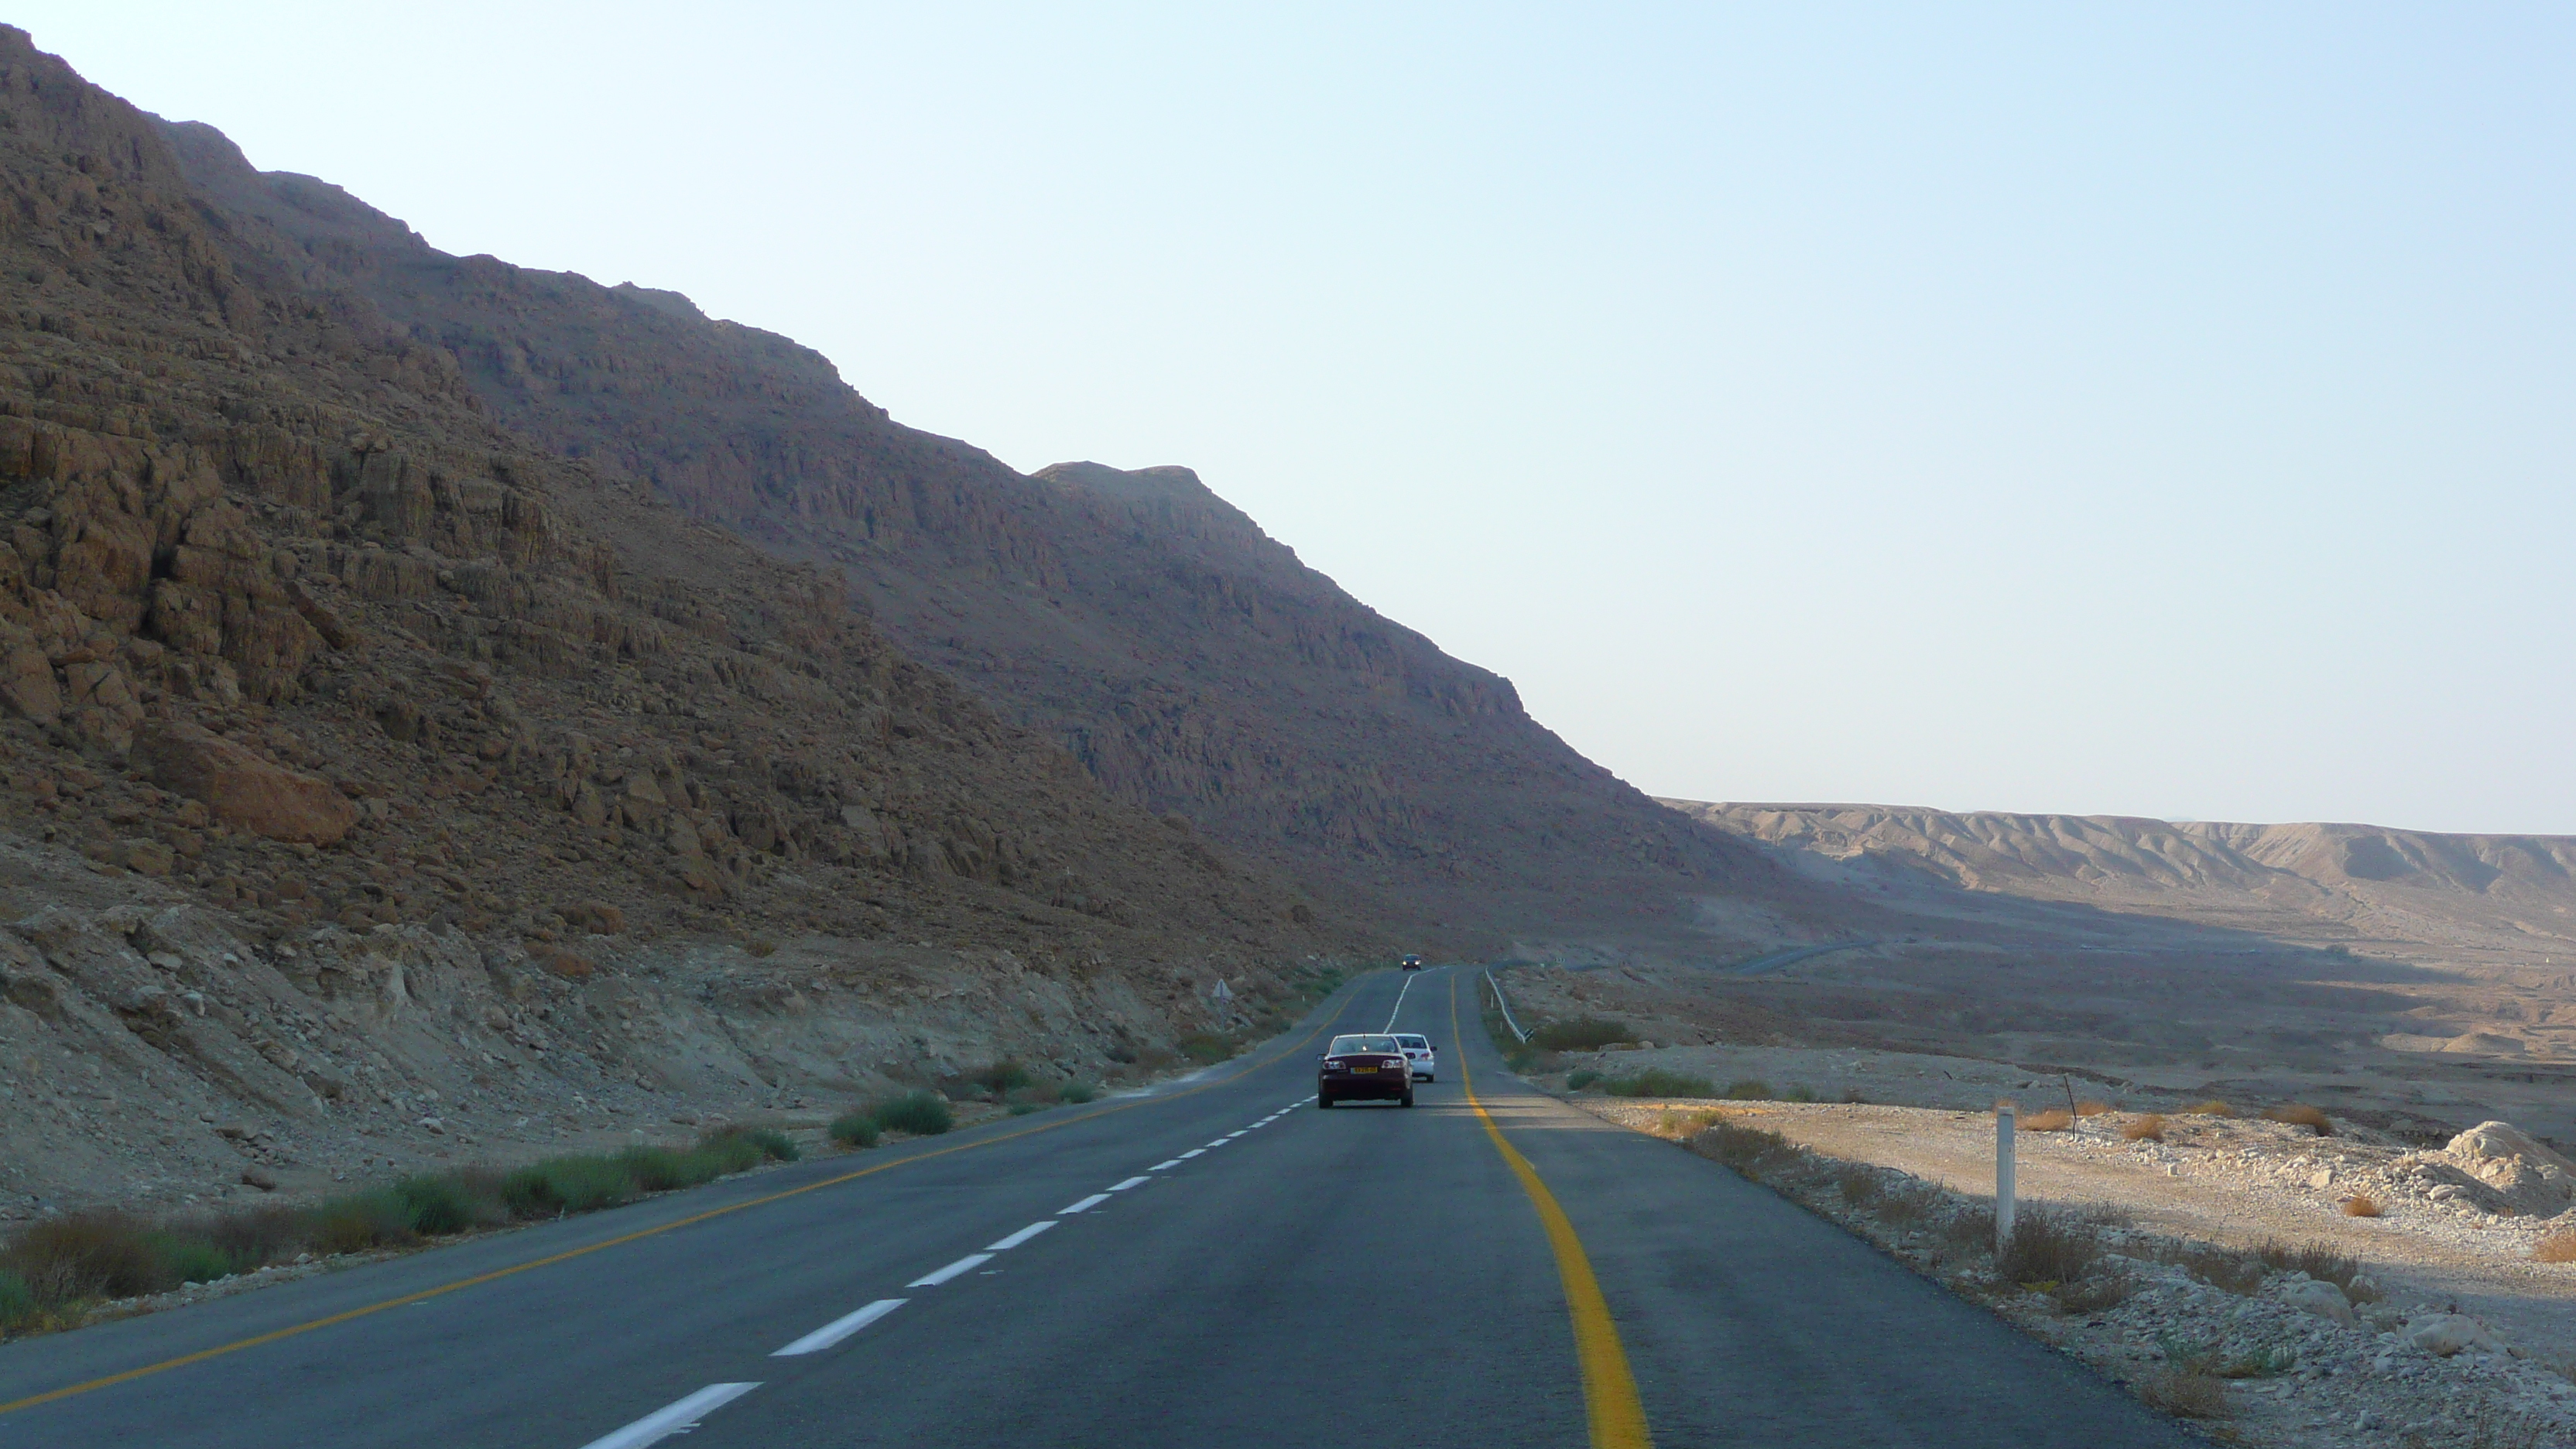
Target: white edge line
1022,1236
967,1264
662,1423
1399,1005
1084,1206
1159,1166
1131,1182
841,1328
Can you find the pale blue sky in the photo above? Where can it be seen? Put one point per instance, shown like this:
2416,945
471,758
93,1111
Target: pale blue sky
2154,410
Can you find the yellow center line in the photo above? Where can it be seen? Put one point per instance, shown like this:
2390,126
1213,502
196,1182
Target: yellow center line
1612,1410
423,1296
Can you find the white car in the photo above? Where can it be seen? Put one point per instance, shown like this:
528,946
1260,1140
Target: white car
1417,1050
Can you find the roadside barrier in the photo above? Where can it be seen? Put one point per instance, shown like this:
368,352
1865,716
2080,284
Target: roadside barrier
1505,1003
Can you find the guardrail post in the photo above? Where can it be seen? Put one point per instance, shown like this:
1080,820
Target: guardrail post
2004,1127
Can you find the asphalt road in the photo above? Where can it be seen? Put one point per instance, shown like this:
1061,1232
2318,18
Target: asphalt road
1226,1265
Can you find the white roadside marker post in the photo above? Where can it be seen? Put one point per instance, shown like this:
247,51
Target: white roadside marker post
2004,1124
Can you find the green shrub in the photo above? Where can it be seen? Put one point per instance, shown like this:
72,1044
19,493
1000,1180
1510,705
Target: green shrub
1004,1077
1078,1093
561,1185
1577,1081
1797,1094
1205,1048
1748,1089
187,1259
1582,1034
359,1222
1659,1082
923,1114
435,1203
855,1129
1022,1109
766,1144
665,1169
17,1301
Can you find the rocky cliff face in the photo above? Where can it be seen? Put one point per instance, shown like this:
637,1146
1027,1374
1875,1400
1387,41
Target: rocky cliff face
331,703
1191,663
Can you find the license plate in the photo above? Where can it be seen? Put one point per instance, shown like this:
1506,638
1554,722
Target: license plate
1363,1069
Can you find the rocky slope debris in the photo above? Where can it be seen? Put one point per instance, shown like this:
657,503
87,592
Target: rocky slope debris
293,632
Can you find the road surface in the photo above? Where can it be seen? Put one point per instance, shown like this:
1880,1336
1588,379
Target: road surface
1218,1264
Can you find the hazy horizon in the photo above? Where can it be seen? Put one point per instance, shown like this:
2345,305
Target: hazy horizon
2154,414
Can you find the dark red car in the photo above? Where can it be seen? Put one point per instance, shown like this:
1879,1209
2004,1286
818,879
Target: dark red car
1364,1069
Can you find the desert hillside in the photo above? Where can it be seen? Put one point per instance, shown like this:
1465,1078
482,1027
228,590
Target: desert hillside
375,776
1191,663
2509,896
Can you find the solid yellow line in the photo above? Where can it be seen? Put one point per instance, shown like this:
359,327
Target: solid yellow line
200,1356
1611,1408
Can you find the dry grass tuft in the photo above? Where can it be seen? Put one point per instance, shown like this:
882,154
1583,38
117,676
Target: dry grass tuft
2055,1119
2186,1395
2300,1114
2216,1266
2049,1247
1907,1203
2089,1108
2211,1108
2319,1260
2558,1247
1859,1185
1749,1150
2361,1205
2146,1127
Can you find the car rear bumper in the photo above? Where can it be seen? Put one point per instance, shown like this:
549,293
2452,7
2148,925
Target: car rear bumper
1372,1086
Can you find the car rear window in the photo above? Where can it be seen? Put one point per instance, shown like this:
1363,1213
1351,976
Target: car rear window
1343,1044
1417,1043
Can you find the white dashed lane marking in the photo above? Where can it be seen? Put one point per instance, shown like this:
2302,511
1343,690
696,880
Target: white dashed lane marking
1131,1182
841,1328
1022,1236
1193,1152
967,1264
1084,1206
1159,1166
679,1418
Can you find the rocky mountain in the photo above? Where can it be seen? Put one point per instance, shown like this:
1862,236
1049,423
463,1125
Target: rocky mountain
362,753
1190,662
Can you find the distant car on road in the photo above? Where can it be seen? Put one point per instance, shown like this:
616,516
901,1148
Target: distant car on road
1418,1055
1360,1068
1412,963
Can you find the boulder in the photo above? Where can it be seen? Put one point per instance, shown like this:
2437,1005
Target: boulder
2325,1300
2444,1334
2531,1178
241,789
2493,1140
